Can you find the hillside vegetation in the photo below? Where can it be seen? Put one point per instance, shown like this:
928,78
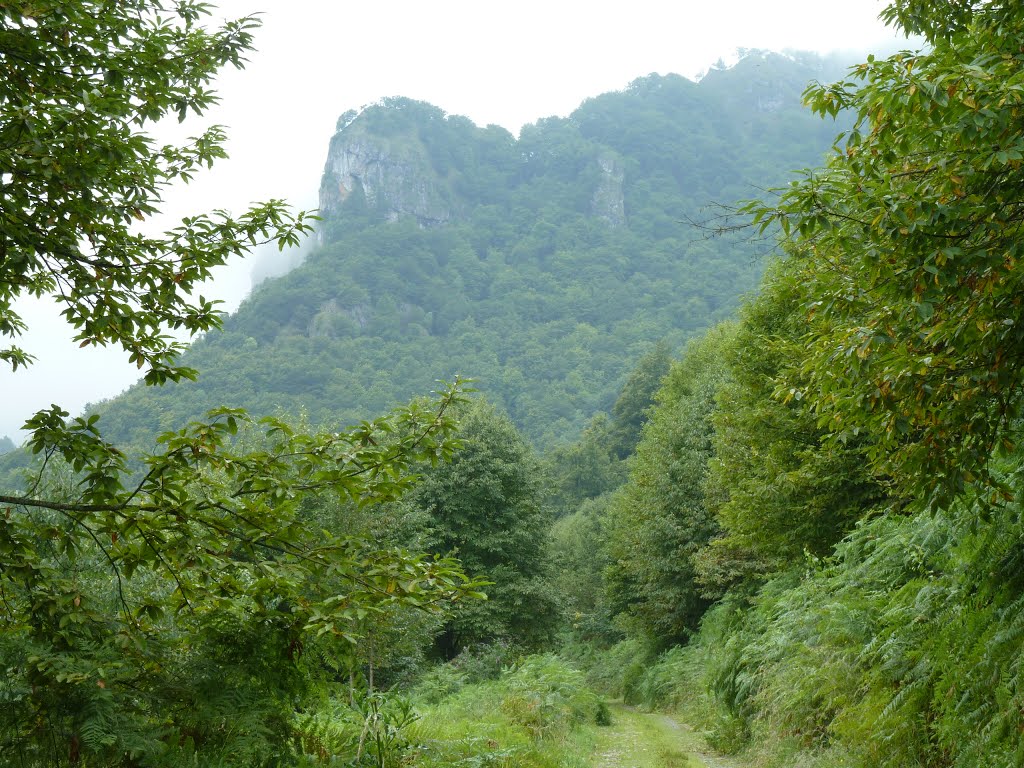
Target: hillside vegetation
542,266
818,552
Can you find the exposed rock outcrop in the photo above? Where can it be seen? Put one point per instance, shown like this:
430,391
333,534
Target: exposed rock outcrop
608,202
394,177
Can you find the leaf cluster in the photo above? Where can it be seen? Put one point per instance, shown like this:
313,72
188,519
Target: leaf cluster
909,239
138,593
82,83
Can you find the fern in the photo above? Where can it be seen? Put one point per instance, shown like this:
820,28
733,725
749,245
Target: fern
905,648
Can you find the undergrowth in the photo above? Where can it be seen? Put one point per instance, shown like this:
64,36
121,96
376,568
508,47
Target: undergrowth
481,711
536,714
904,649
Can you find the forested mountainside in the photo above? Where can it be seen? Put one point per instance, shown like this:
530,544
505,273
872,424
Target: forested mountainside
543,266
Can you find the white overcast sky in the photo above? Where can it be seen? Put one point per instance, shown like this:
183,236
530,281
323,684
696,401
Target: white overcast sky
503,63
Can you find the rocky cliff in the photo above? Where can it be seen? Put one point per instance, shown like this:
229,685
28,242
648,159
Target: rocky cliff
392,177
403,159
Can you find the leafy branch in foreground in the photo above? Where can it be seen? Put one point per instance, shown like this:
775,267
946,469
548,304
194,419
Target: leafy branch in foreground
911,237
204,510
82,82
164,617
111,589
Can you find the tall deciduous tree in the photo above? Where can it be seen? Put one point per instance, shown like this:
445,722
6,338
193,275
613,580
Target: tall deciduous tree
629,413
580,556
486,507
660,519
911,234
778,486
585,469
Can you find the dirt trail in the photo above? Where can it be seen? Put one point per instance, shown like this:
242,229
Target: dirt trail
652,740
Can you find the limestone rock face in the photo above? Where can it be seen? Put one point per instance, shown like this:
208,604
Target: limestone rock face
402,159
608,202
394,177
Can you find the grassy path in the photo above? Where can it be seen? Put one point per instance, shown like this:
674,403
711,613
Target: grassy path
651,740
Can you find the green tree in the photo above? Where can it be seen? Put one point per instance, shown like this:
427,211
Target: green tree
579,557
660,518
777,484
486,507
586,469
910,236
129,598
630,410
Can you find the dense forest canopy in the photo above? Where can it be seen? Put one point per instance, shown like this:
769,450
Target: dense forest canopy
542,266
859,455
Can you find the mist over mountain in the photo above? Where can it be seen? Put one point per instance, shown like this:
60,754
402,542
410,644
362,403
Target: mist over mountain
543,267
